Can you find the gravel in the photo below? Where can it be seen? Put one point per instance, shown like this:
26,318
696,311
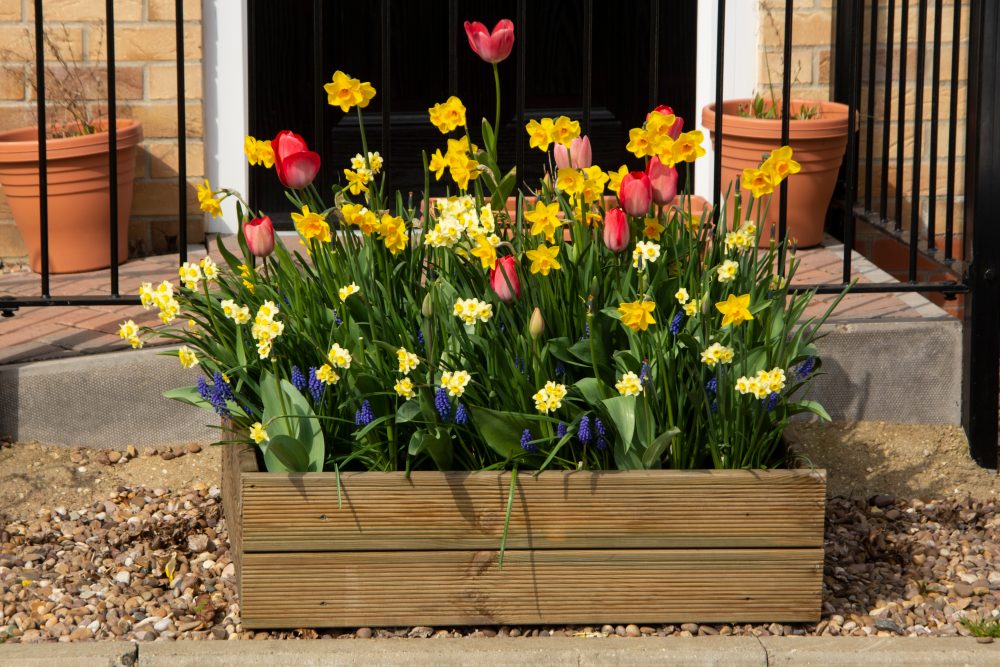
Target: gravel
150,564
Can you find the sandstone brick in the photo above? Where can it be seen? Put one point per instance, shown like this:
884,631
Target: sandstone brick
163,82
86,10
809,28
11,244
801,67
10,10
159,120
163,10
5,214
153,42
12,82
94,82
163,159
823,66
18,41
14,116
160,198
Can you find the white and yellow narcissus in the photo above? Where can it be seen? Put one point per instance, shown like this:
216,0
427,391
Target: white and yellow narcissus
339,356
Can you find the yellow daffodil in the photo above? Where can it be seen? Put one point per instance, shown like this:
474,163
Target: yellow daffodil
327,375
653,229
645,253
258,434
127,329
212,207
564,130
348,290
204,192
209,268
345,92
570,181
739,240
780,164
455,382
629,385
407,360
190,275
735,310
187,357
312,225
472,310
448,115
758,182
357,181
485,251
543,259
540,133
250,150
360,217
688,146
637,315
638,143
692,307
593,185
404,388
375,160
392,232
726,272
716,353
682,296
549,398
544,219
339,356
462,171
438,164
615,178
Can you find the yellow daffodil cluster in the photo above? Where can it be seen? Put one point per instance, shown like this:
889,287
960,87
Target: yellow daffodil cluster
374,159
357,181
162,297
207,201
312,225
458,220
360,217
209,268
692,307
726,272
763,384
637,315
448,115
629,385
327,375
455,382
258,152
190,274
258,434
458,161
583,187
549,398
473,310
542,133
543,259
408,362
776,168
187,357
716,353
128,330
348,290
339,356
265,328
654,140
404,388
235,312
392,232
346,92
644,254
743,238
735,310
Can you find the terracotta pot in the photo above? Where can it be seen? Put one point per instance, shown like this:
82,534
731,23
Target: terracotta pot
78,195
818,144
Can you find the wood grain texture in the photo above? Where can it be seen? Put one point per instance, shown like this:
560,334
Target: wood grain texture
445,588
554,510
237,459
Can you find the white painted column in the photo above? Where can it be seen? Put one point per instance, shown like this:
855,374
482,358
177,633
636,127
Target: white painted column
740,73
224,31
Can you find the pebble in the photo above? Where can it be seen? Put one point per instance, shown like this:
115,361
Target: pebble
364,633
632,630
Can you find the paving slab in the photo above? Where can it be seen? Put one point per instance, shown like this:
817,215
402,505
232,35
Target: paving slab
879,651
83,654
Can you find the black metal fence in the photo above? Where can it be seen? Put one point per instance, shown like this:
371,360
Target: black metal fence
855,19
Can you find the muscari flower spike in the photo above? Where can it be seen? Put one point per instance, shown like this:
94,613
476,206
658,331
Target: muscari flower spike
365,415
461,415
712,386
644,373
805,368
299,380
770,402
583,430
316,386
561,430
442,404
675,324
526,443
602,441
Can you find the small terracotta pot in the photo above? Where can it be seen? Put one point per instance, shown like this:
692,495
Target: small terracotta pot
78,195
818,145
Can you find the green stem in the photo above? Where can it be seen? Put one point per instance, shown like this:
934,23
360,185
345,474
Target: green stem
510,506
496,124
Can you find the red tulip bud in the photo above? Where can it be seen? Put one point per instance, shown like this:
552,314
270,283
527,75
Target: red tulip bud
677,127
504,280
663,179
635,193
616,234
295,164
578,152
259,234
494,47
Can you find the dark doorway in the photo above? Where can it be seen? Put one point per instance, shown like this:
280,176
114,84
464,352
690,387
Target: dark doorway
602,62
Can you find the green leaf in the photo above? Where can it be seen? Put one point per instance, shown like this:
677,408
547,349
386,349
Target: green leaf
501,430
621,411
593,390
653,455
283,453
808,406
287,412
489,138
190,396
407,411
438,445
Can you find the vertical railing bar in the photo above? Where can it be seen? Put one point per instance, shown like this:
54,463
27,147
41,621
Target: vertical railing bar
453,48
182,229
935,112
870,121
519,157
720,63
43,156
949,213
386,147
109,9
654,53
786,113
853,101
588,62
883,207
918,136
318,76
904,21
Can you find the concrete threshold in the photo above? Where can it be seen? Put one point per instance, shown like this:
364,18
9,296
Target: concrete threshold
549,651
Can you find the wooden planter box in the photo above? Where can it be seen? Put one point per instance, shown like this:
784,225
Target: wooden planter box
714,546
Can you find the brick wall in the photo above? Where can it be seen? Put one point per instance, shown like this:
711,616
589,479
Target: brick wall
146,90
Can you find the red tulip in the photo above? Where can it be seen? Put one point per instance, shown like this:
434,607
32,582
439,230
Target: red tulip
616,234
578,152
635,193
494,47
259,234
677,127
663,180
296,165
504,281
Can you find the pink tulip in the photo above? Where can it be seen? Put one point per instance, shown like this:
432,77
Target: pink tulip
578,152
636,193
295,164
494,47
259,234
677,127
616,234
663,180
504,281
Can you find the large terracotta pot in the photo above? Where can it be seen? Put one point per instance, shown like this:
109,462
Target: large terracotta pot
78,195
818,144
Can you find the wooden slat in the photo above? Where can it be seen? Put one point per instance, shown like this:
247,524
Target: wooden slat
445,588
236,460
554,510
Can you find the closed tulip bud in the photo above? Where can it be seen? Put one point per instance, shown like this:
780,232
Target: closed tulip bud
677,127
259,234
504,280
635,193
616,233
427,307
536,327
294,163
663,180
491,47
578,153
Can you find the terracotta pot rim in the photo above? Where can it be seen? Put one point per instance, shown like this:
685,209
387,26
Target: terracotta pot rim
831,121
14,148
